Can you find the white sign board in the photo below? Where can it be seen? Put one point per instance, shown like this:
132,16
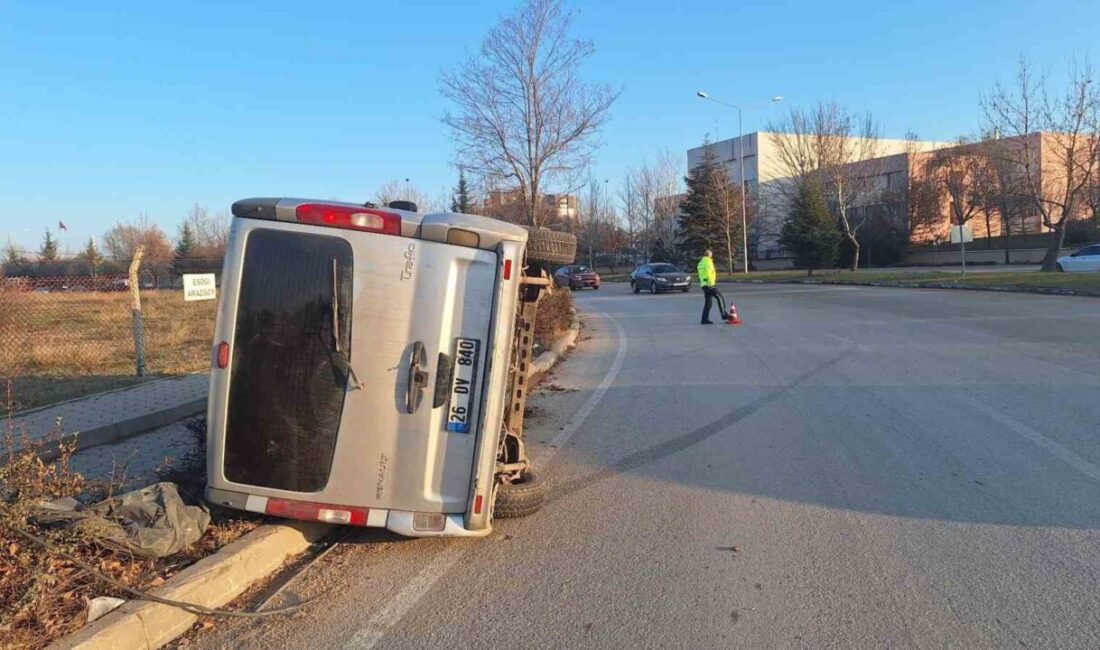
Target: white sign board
199,286
962,234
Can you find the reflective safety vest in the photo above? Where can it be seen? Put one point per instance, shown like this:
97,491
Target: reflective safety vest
707,276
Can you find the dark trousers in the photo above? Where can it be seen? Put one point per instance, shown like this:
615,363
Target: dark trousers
711,294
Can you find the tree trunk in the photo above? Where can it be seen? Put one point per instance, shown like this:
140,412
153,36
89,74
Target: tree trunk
1006,228
1057,240
988,231
729,250
855,251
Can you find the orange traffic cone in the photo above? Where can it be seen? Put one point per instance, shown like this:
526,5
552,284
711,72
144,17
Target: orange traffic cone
734,319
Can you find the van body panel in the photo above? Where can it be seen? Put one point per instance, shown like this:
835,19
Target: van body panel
405,293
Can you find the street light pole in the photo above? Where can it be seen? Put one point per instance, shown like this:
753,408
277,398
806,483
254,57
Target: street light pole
741,161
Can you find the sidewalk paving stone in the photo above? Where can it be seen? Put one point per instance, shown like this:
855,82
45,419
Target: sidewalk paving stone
109,417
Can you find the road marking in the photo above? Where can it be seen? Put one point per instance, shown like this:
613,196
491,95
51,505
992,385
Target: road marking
422,583
396,609
581,415
1080,464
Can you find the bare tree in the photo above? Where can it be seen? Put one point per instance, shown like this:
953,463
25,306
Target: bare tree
645,183
924,202
831,146
522,115
628,198
1000,188
211,232
398,190
1054,142
593,211
668,187
957,171
125,238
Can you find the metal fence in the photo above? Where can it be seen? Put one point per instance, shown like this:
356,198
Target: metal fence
63,336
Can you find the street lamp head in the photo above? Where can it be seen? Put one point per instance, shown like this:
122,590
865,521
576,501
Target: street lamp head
702,94
777,99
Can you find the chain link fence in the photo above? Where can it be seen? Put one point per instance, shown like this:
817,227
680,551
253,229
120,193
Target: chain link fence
65,336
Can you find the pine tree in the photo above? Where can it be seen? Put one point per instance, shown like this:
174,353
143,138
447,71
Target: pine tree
185,247
461,201
48,251
91,255
707,214
810,233
14,254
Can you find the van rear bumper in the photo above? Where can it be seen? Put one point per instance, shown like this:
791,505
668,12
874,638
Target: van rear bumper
397,521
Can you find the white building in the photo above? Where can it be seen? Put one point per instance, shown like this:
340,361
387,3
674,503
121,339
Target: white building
764,173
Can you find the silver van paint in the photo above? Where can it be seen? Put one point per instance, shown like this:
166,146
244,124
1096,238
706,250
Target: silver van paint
451,291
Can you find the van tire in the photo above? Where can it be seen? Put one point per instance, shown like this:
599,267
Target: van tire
520,499
550,246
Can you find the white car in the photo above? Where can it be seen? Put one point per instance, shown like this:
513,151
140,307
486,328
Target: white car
1083,260
369,365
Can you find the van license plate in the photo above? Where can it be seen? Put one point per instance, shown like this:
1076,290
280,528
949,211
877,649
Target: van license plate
461,410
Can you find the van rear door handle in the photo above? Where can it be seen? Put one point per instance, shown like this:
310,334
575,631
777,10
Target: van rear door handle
417,378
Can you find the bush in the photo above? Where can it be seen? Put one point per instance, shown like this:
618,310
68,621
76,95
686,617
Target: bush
554,316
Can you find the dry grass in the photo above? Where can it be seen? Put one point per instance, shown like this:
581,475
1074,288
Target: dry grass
44,596
553,317
64,345
59,346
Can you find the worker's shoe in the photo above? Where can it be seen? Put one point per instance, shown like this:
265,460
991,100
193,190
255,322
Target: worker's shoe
706,322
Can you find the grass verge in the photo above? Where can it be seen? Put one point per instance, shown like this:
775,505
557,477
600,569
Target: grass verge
1086,284
1025,281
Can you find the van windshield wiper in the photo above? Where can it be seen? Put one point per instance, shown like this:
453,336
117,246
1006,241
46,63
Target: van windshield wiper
356,384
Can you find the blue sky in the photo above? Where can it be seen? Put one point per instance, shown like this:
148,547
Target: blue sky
111,109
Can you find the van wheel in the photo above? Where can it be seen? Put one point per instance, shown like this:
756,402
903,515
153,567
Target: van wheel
520,498
550,246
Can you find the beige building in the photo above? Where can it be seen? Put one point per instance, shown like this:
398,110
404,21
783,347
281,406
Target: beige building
506,204
766,177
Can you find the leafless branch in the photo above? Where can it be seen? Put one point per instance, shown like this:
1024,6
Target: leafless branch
522,117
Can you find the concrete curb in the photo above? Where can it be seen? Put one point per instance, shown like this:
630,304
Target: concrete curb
116,431
547,359
211,582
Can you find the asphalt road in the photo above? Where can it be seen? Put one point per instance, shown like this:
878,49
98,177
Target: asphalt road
852,467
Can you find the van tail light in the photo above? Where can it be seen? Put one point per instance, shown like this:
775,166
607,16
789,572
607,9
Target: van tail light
223,354
477,504
327,513
507,269
350,217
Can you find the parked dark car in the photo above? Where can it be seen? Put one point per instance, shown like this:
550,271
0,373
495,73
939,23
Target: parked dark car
658,277
576,277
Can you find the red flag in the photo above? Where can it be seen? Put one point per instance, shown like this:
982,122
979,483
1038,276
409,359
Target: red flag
61,225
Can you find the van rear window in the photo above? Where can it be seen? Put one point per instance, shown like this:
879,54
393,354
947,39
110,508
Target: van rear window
287,387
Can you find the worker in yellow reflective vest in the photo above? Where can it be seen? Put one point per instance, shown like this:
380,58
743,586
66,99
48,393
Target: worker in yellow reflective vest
707,280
